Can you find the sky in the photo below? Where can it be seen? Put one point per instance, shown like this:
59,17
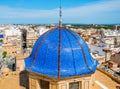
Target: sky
47,11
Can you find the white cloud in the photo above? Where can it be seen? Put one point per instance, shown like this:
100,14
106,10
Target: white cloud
7,12
99,10
106,6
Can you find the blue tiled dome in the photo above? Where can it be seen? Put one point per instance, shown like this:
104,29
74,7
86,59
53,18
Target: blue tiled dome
60,53
1,36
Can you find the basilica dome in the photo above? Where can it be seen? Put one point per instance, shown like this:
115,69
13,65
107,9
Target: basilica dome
60,53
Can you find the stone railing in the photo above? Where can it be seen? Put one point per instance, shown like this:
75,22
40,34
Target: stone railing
109,72
4,75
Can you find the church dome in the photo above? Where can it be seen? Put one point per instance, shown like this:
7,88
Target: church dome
60,53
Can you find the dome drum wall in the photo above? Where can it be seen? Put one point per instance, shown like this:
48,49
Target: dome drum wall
60,53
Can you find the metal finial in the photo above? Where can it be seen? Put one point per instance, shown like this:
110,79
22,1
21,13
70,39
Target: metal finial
60,21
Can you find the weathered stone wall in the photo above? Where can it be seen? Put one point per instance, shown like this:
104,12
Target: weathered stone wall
85,82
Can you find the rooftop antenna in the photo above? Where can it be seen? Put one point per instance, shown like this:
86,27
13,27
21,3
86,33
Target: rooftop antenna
60,14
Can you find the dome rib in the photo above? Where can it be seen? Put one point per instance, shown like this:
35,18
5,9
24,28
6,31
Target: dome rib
34,59
59,50
82,50
72,52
